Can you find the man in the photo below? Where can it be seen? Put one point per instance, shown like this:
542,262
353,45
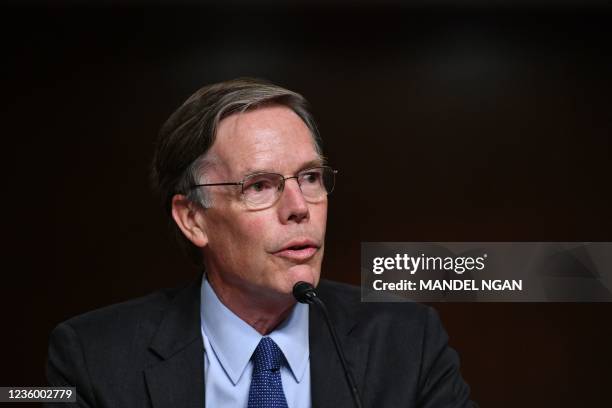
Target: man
240,170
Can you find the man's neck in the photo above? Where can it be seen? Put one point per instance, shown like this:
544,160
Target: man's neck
261,313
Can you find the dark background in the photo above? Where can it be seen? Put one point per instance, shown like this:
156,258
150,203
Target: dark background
447,120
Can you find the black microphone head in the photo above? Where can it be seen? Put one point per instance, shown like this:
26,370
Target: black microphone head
304,292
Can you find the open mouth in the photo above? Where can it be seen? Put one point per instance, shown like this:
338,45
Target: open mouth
300,252
299,247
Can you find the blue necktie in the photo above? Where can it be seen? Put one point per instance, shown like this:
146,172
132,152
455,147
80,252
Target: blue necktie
266,386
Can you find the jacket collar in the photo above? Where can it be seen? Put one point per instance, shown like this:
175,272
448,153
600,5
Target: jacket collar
178,379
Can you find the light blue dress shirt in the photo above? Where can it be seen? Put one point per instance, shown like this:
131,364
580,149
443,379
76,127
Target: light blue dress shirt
229,343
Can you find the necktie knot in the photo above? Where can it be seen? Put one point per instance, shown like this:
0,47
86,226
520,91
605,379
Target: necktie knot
267,356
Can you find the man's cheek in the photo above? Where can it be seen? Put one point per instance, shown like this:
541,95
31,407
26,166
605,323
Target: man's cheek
254,231
319,216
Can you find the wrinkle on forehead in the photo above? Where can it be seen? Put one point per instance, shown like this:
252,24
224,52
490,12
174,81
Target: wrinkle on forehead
271,138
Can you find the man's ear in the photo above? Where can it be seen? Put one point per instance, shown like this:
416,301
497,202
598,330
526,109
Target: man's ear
190,219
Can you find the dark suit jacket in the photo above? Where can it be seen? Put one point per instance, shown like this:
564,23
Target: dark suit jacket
149,353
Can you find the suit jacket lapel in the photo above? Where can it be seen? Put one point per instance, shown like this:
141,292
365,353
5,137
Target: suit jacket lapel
176,378
328,383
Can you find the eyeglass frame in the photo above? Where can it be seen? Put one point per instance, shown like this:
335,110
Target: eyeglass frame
282,182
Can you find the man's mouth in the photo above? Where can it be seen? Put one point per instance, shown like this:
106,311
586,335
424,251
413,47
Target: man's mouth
299,250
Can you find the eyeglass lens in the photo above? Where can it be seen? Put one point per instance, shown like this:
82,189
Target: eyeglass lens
263,189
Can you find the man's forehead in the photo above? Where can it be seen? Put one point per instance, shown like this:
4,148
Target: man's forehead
270,116
273,139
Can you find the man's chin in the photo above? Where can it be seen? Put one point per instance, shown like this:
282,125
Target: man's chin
302,273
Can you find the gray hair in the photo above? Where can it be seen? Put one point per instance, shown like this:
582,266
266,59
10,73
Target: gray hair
184,140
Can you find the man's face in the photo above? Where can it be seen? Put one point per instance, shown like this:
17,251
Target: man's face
258,253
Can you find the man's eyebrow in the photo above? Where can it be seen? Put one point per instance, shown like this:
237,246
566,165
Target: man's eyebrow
312,163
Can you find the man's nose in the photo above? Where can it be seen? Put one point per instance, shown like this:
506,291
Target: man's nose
292,205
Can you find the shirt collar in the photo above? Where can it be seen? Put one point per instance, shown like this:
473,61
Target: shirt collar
233,341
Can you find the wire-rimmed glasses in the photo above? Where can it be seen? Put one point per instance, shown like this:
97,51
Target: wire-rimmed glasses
261,190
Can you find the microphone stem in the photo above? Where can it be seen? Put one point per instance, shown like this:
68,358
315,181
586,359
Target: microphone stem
349,378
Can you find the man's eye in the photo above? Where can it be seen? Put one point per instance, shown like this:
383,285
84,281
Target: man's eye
311,177
258,186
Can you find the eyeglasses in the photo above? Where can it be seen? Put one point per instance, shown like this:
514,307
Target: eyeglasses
261,190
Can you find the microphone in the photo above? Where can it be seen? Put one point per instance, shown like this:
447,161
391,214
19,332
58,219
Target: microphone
304,292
